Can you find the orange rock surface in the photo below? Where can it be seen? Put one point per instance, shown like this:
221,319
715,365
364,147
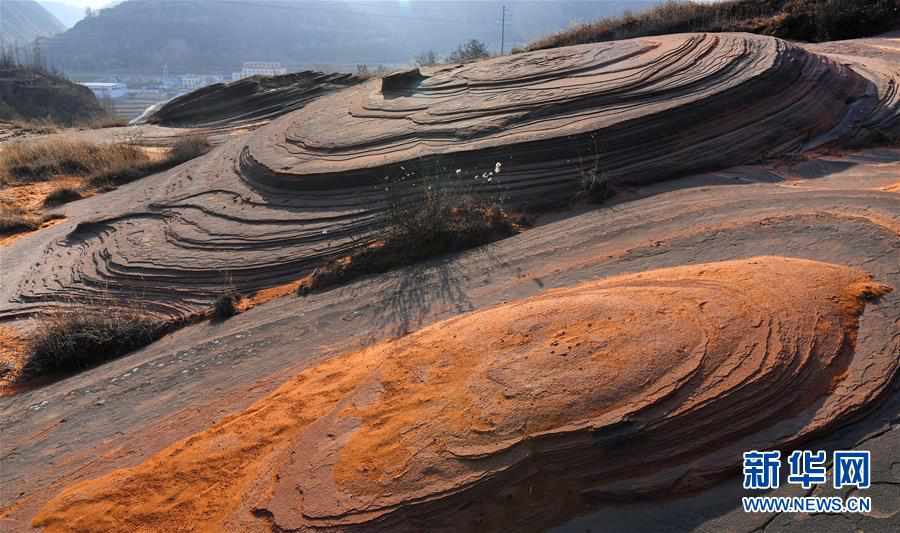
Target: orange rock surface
522,414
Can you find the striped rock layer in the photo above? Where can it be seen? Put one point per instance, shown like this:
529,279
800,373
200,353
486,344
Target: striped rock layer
266,208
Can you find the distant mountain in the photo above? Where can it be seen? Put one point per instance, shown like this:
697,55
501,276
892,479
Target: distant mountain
21,21
205,36
65,13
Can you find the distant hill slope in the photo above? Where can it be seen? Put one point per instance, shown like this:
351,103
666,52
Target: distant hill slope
27,94
217,35
800,20
67,14
23,20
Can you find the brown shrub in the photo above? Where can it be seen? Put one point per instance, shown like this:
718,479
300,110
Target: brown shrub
418,226
226,305
70,341
61,196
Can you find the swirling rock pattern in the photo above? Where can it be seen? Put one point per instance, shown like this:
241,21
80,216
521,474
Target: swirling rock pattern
264,209
519,416
642,109
246,101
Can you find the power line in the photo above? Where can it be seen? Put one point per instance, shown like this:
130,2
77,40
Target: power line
502,28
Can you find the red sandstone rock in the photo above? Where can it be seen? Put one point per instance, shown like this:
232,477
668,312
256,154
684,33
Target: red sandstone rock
521,415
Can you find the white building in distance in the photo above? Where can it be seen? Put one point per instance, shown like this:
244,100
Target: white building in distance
259,68
107,90
195,81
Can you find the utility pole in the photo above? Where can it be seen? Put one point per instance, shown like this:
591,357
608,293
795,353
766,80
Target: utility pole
502,29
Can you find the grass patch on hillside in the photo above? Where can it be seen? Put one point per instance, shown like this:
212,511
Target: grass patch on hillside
70,341
801,20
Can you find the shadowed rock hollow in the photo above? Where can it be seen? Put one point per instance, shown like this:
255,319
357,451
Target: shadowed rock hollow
522,415
267,208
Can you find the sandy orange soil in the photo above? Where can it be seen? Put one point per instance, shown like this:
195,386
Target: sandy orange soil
29,197
12,346
436,423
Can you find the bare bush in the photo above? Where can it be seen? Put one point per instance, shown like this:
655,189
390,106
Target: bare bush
425,217
473,50
61,196
427,59
70,341
226,305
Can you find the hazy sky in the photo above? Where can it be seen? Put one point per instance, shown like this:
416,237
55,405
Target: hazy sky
85,3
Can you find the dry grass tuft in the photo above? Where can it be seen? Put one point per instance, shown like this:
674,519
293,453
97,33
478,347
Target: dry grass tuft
100,122
187,148
437,222
226,305
61,196
70,341
41,126
14,219
184,150
44,160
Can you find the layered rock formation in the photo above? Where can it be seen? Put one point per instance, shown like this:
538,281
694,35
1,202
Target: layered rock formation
638,111
521,415
267,208
246,101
